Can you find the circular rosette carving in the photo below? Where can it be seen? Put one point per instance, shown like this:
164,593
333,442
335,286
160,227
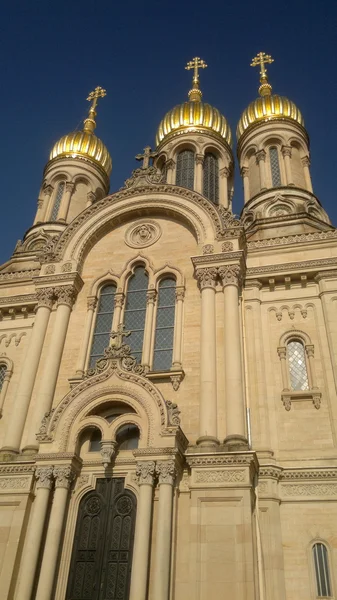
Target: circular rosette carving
123,506
142,234
93,506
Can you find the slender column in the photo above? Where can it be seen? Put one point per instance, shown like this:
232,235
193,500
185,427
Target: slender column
235,403
34,533
178,329
208,406
4,388
91,197
306,171
199,164
161,579
29,370
282,352
224,198
261,160
310,354
150,301
47,192
244,172
117,318
170,170
286,153
38,217
63,478
92,303
65,299
140,562
63,212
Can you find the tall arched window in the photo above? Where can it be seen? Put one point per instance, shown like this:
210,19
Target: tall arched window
57,201
163,345
275,166
297,365
103,323
322,571
135,310
211,177
3,371
185,169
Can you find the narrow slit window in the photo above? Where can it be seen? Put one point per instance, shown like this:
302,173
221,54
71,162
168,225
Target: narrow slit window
135,311
185,169
163,346
297,366
275,167
103,325
322,572
3,371
211,178
57,202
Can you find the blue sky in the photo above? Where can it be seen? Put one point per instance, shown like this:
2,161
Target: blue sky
53,54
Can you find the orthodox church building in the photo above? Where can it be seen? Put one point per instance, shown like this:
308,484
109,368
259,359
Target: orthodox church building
168,370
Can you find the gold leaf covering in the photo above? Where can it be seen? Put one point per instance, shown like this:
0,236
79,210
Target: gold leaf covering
82,144
266,108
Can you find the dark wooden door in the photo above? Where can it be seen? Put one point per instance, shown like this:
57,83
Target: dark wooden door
101,559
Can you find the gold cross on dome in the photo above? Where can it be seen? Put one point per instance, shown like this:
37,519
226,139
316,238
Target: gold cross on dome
261,59
117,336
98,92
196,63
146,156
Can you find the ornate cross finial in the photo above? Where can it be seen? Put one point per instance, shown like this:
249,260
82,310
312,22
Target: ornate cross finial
90,123
196,63
146,156
261,59
117,336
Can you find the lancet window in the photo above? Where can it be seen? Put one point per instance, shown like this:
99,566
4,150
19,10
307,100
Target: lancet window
103,325
322,571
57,201
185,169
211,177
3,371
135,310
275,166
297,365
163,346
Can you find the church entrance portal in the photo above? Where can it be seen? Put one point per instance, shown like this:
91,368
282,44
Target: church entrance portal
101,560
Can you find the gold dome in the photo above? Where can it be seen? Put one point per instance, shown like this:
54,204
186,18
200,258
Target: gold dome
84,144
194,115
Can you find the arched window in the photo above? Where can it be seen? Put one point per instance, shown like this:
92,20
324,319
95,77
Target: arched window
103,323
95,441
135,310
163,345
57,201
322,571
211,177
3,371
274,166
127,437
185,169
297,365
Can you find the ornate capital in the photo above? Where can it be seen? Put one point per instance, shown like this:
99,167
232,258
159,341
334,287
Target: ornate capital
206,277
91,197
282,352
230,275
199,159
48,190
244,171
180,293
40,202
310,351
92,302
286,151
45,297
260,155
44,476
65,294
145,472
166,471
151,296
108,450
63,475
70,186
170,164
305,161
119,300
225,172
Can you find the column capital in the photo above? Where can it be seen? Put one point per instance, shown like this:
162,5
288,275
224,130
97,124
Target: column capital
286,151
119,299
44,477
225,172
40,202
108,450
63,475
244,171
305,161
151,296
170,164
48,190
92,302
282,352
230,275
199,159
260,155
66,294
206,277
180,293
91,197
45,297
70,186
166,471
145,472
310,350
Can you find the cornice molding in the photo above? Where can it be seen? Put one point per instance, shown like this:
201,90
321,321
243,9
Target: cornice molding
306,265
293,239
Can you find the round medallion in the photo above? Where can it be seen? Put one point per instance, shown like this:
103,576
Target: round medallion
142,234
93,506
123,505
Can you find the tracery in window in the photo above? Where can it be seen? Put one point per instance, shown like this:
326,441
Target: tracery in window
185,169
57,202
163,346
135,311
322,571
3,371
127,437
297,365
103,325
275,166
211,177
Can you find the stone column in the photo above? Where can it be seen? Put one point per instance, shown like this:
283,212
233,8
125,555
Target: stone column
161,577
63,212
29,369
286,153
47,192
261,162
170,170
117,316
311,361
65,299
40,206
223,191
208,406
282,352
91,304
199,171
235,402
63,478
148,329
140,561
34,533
178,329
5,383
306,171
91,197
244,172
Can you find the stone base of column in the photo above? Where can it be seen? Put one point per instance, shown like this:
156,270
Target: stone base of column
235,443
30,450
8,454
207,441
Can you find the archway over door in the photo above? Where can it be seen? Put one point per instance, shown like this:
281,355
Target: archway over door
101,560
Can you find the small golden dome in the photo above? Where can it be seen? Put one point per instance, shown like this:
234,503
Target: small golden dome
84,144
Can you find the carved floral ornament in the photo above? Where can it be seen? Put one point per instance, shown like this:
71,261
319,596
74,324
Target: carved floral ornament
64,294
142,234
228,274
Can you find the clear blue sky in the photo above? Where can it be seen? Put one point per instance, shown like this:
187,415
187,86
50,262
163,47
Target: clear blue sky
53,54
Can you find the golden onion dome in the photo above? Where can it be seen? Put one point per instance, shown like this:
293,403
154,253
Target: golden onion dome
268,106
194,115
84,144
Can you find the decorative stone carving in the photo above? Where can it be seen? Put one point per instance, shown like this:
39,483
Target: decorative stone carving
310,489
230,275
47,253
173,413
151,296
220,475
45,297
65,294
49,270
286,151
119,300
260,155
91,197
67,267
44,477
228,218
145,472
244,171
44,425
166,471
208,249
108,449
176,379
180,293
14,483
92,303
70,186
143,176
199,159
142,234
206,277
63,475
227,247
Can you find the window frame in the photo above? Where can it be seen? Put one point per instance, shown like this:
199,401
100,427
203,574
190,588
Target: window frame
54,198
216,199
275,147
312,570
180,151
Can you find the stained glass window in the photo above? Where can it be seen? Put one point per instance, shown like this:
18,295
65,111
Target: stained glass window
3,371
185,169
211,178
57,203
297,366
135,310
163,345
321,562
275,167
103,323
